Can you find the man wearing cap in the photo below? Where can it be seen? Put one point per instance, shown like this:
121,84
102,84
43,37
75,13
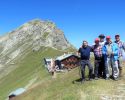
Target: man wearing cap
110,52
102,68
121,48
97,50
102,37
84,53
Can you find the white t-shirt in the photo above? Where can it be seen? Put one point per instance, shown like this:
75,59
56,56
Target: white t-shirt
102,43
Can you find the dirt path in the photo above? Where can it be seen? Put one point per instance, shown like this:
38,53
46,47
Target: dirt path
118,93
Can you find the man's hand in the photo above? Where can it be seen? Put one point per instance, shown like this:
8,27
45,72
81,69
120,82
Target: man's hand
107,54
78,54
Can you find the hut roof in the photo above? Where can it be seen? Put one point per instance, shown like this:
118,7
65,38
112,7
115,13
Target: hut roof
48,60
17,92
64,56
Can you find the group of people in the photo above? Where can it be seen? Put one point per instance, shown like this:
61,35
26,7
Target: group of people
108,58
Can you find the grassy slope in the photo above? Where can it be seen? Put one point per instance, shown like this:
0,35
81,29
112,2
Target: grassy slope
61,88
28,68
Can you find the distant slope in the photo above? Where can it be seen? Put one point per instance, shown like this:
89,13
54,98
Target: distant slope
29,68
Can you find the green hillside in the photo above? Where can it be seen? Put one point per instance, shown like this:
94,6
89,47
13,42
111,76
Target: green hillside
27,69
31,71
62,88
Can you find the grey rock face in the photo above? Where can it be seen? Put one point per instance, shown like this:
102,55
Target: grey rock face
31,35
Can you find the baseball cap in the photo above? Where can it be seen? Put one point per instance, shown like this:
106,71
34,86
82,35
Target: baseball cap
117,35
101,36
97,40
108,37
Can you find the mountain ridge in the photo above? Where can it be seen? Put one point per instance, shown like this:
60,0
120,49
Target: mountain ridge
30,36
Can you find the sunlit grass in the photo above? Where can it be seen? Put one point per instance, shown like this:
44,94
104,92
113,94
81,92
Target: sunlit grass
61,88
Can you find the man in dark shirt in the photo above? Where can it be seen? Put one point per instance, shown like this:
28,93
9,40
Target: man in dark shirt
84,53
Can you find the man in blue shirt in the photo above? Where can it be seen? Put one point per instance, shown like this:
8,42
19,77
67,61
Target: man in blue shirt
84,53
110,52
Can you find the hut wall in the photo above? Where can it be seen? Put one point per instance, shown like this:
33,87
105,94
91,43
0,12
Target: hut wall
71,62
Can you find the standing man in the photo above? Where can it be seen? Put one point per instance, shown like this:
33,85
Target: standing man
121,48
102,41
102,68
110,52
97,50
84,53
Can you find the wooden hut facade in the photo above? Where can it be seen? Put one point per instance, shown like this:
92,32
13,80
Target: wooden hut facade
69,60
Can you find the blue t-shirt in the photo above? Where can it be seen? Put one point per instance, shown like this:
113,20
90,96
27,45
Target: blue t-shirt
85,52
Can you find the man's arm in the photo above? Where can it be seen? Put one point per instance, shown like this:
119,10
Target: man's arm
115,53
123,46
104,51
78,52
92,48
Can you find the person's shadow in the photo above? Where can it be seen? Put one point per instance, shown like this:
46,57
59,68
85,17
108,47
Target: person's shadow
77,81
80,80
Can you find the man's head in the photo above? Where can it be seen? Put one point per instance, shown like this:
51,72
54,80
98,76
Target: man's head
97,41
117,37
85,43
108,39
101,37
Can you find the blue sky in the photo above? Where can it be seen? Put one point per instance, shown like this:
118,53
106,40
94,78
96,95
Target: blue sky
79,19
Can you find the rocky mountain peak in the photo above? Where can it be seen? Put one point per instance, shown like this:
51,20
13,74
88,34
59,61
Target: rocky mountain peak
31,35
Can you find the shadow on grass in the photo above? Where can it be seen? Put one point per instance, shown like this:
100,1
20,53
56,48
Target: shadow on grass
77,81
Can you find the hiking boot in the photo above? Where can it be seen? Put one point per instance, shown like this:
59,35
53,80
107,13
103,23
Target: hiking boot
96,78
107,78
82,81
115,78
90,79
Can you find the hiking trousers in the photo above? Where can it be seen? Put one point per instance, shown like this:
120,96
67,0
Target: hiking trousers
101,70
85,63
111,68
120,61
98,69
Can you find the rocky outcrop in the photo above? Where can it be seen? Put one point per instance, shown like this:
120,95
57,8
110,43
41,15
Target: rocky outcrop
32,35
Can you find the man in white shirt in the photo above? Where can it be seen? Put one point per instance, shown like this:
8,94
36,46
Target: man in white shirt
102,69
102,39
